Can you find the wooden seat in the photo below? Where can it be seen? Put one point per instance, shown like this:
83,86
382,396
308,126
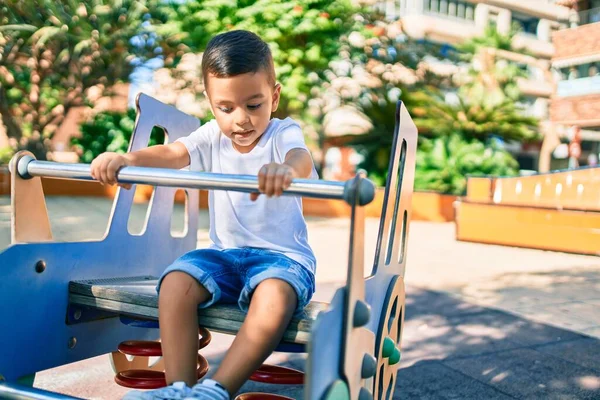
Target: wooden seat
137,297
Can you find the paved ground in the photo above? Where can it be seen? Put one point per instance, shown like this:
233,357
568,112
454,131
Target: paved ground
482,321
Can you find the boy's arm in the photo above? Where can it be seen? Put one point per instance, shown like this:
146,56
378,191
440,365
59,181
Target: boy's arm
173,155
300,161
273,178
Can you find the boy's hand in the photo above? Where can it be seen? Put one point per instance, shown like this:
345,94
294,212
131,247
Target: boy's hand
104,168
273,179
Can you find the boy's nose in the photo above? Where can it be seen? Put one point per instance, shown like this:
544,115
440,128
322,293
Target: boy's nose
241,118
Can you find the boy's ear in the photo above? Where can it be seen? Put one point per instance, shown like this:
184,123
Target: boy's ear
276,97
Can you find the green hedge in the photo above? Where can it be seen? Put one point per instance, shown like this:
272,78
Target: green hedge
109,131
6,154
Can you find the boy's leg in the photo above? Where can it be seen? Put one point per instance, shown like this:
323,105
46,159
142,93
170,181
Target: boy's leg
271,309
178,302
199,278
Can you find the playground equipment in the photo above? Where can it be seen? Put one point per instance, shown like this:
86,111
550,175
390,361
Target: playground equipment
64,302
557,211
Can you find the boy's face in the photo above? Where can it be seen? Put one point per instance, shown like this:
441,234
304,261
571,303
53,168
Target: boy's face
242,106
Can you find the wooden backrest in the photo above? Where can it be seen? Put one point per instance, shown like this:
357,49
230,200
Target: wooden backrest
397,201
361,334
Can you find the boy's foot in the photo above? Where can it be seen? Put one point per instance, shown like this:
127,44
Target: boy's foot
176,391
208,389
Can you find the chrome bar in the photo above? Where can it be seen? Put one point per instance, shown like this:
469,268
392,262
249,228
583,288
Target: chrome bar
9,390
27,167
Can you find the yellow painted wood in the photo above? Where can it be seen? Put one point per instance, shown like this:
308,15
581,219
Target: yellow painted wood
549,229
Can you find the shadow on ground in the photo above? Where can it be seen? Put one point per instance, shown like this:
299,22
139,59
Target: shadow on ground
456,350
569,298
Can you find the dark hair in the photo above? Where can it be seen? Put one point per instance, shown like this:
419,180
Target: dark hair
237,52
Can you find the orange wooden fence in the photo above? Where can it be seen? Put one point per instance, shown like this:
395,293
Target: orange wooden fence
555,211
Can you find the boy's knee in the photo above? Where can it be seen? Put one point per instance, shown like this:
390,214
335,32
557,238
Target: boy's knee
180,287
275,297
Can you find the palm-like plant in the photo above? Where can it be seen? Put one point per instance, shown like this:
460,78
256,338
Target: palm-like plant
444,162
463,137
478,119
456,140
491,38
488,76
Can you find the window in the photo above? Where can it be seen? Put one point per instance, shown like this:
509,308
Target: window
450,8
470,12
591,14
527,25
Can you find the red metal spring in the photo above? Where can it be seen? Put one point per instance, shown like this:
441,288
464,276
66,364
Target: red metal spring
278,375
147,379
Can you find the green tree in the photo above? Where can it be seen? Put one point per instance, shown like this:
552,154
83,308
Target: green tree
484,111
6,154
304,35
376,69
52,52
110,131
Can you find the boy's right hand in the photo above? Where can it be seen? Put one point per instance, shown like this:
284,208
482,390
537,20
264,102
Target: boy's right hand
104,168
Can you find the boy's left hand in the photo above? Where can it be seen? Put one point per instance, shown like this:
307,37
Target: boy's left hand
273,178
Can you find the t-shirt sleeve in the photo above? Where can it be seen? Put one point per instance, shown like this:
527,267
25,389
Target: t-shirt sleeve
290,137
199,146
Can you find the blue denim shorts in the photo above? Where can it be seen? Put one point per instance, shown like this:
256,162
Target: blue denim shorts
231,275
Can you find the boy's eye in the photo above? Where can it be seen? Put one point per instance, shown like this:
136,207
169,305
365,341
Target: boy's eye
254,106
225,109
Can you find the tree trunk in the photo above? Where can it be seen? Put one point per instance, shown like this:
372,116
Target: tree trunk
13,130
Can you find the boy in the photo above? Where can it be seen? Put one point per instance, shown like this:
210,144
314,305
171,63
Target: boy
259,257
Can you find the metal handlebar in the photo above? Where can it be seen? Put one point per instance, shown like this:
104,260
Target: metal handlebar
28,167
15,391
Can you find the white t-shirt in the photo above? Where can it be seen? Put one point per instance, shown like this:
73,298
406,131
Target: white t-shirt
274,223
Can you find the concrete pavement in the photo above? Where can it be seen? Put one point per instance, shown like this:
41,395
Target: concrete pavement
482,321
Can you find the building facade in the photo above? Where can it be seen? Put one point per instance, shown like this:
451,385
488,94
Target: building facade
575,106
454,21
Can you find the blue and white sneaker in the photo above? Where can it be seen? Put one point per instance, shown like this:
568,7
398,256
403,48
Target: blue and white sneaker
176,391
208,389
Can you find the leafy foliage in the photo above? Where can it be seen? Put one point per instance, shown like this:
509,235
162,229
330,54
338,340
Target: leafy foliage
52,52
490,38
6,154
461,137
488,77
477,119
110,131
304,35
444,162
376,68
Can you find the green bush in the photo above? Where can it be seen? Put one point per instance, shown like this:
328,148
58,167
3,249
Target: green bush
109,131
445,162
6,154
